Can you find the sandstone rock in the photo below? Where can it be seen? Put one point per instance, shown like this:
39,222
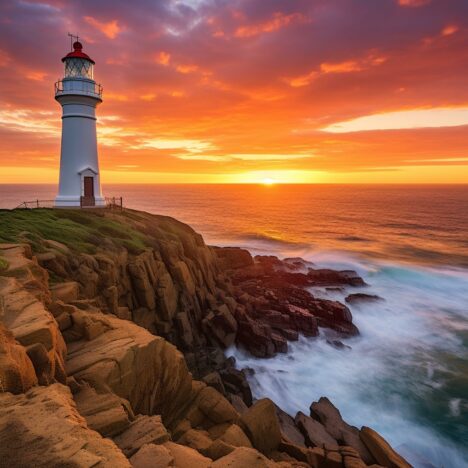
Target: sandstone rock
326,413
143,430
243,457
17,374
137,366
235,381
289,430
24,268
65,292
235,437
184,277
238,403
187,457
314,433
218,449
221,324
215,407
262,425
106,413
213,379
381,449
234,257
318,457
42,428
152,456
196,439
32,325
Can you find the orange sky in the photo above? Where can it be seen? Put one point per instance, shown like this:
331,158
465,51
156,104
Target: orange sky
204,91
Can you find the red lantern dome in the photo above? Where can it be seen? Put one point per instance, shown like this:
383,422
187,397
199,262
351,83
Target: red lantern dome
78,53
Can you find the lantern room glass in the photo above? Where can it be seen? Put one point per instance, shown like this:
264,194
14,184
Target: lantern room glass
78,68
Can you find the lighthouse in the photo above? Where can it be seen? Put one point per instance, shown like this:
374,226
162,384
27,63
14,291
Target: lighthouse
79,95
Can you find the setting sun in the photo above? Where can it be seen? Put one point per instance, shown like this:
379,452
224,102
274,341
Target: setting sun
268,181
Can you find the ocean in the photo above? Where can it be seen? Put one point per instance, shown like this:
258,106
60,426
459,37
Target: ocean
406,375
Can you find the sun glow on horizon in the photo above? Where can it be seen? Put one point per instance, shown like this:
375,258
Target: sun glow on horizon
268,181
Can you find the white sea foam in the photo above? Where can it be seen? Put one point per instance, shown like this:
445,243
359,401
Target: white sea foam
396,378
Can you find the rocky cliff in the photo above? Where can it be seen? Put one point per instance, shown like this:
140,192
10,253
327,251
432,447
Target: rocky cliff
114,325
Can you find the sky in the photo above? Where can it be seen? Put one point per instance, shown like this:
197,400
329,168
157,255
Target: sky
244,91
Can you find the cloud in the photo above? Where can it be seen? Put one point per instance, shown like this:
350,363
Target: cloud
110,29
192,146
413,3
163,58
408,119
276,22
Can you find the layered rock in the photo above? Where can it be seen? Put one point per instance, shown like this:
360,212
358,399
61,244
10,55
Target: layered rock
42,428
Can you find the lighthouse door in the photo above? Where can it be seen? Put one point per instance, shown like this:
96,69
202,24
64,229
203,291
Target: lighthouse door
88,191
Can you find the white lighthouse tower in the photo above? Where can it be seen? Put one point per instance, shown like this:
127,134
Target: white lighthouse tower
78,94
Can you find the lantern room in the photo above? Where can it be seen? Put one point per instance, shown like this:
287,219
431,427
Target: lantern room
78,64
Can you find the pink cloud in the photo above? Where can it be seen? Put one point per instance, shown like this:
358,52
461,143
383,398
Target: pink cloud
110,29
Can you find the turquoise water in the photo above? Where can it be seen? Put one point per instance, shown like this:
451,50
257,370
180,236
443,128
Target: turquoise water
407,373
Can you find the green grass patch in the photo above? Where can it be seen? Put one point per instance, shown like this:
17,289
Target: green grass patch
3,264
80,230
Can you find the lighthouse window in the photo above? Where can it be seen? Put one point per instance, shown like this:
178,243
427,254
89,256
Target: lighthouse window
76,67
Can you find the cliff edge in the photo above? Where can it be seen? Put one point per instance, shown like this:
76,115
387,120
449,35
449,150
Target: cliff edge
112,338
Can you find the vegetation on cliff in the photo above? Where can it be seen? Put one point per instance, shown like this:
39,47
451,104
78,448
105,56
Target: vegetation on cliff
80,230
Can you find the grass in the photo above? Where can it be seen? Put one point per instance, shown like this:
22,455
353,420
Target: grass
80,230
3,264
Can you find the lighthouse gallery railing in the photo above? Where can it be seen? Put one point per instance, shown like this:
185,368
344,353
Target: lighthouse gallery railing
79,86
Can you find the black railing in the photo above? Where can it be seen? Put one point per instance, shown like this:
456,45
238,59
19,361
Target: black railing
37,204
80,86
114,202
85,202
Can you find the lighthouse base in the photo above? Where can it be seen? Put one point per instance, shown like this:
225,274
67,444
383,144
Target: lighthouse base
79,202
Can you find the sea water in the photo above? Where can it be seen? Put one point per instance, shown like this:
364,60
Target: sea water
406,374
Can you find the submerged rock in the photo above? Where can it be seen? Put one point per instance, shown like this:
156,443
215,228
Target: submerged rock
362,298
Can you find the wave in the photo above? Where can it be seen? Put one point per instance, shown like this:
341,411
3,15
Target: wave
406,375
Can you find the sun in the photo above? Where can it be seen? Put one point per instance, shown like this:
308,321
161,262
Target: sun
268,181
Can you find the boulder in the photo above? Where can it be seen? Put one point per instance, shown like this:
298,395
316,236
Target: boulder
152,456
262,425
243,457
106,413
289,430
186,457
327,414
222,325
314,433
215,407
143,430
235,437
42,428
358,298
326,277
233,257
218,449
196,439
235,382
238,403
381,449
